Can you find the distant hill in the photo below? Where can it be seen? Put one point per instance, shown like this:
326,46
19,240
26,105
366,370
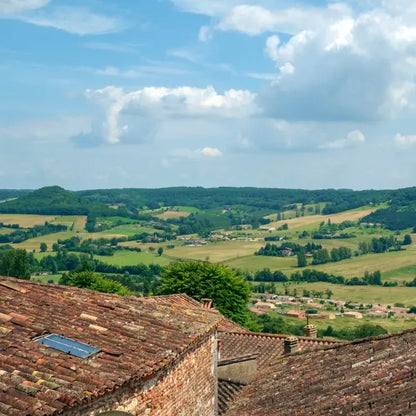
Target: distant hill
401,213
222,197
53,200
48,200
6,194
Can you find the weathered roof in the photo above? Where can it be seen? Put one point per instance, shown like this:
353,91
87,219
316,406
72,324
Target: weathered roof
181,299
136,339
227,390
267,347
186,301
368,377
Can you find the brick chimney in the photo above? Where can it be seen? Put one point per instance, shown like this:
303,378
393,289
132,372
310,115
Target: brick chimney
290,345
310,331
206,303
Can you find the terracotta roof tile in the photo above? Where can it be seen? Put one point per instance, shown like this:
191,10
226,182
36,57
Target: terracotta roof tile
186,301
267,347
362,378
136,338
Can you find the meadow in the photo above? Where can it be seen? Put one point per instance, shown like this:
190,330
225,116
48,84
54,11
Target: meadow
239,251
360,294
26,220
391,325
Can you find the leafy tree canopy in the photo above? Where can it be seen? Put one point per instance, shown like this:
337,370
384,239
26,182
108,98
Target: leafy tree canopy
229,291
15,263
91,280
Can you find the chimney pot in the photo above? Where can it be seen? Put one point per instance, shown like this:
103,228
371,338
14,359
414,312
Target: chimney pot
206,303
310,331
290,345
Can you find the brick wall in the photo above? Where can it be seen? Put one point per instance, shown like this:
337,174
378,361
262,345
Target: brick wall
188,389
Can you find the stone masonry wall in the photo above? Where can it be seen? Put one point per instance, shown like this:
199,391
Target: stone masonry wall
188,389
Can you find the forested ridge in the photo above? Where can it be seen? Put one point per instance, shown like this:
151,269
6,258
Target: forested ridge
54,200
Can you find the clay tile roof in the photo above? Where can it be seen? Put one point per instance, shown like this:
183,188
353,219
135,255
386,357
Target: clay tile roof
227,390
184,300
363,378
267,347
137,339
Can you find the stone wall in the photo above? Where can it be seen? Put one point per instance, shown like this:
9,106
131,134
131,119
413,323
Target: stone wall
189,388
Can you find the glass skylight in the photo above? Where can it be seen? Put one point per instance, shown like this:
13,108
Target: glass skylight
67,345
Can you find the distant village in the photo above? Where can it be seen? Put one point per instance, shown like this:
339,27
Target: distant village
306,307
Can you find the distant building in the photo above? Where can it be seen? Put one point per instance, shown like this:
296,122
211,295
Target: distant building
353,314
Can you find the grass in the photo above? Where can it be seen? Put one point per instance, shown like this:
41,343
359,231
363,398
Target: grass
217,252
6,231
34,243
132,258
191,210
26,220
362,294
302,222
391,325
127,230
47,279
173,214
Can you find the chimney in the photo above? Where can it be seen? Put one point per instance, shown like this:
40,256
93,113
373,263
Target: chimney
290,345
206,303
310,331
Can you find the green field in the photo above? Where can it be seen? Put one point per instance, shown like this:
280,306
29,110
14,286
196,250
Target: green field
191,210
391,324
131,258
361,294
26,220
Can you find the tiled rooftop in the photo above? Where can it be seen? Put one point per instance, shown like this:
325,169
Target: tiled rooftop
137,339
267,347
183,300
363,378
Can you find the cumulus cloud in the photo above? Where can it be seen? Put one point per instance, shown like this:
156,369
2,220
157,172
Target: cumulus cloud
210,152
351,61
16,6
354,138
145,108
77,20
405,141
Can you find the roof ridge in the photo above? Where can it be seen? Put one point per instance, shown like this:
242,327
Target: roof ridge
282,336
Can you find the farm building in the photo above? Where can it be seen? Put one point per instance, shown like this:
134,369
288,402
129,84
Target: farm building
353,314
72,352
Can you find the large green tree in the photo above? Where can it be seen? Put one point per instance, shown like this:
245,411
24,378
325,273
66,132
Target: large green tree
15,263
229,291
90,280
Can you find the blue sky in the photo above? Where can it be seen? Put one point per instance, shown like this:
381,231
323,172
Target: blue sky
151,93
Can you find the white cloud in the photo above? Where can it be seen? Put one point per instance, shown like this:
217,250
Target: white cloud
210,152
343,61
205,34
16,6
206,152
405,141
77,20
272,47
152,105
354,138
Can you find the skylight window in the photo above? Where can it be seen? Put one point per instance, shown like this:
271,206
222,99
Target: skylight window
67,345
